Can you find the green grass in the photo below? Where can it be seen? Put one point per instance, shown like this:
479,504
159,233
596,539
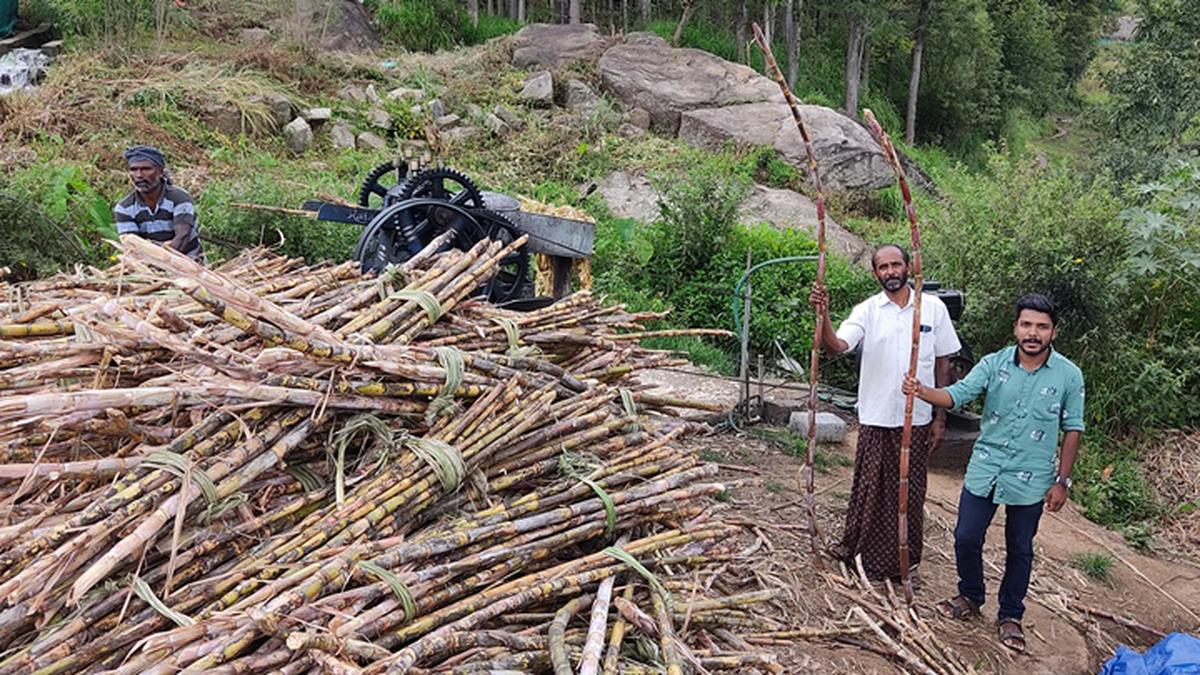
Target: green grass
824,459
1095,566
698,351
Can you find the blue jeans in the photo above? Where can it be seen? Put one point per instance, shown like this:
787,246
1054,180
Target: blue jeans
1021,523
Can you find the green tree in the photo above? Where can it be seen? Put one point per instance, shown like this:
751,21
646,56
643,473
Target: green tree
1156,91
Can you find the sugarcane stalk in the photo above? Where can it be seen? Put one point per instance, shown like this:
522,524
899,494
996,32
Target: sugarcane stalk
814,362
594,645
885,143
559,658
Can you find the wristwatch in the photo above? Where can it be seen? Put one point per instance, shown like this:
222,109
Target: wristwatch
1064,481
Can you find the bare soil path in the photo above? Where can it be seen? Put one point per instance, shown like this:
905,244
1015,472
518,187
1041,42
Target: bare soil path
766,495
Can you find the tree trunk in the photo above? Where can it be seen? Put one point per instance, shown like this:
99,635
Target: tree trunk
914,82
512,10
473,11
573,12
792,34
624,16
767,24
865,58
644,7
689,7
521,11
854,53
740,33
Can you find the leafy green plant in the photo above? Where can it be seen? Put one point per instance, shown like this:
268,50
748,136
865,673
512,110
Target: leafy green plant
68,221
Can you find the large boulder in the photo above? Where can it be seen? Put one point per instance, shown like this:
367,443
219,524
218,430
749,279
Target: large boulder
544,45
789,209
848,157
629,195
666,81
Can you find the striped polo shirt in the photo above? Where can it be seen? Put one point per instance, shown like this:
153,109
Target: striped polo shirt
132,216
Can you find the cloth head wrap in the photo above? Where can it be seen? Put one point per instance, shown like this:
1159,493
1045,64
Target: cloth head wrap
145,153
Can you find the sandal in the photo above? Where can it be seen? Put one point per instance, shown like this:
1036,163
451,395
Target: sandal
958,607
1011,634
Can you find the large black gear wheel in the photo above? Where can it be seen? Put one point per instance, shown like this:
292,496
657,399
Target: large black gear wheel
513,281
373,184
445,185
384,242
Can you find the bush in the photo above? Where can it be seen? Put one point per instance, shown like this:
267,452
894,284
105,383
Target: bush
430,25
691,261
422,25
54,217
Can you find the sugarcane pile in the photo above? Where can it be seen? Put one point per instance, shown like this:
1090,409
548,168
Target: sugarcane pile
271,466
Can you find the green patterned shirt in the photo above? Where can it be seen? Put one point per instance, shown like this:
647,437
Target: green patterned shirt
1023,412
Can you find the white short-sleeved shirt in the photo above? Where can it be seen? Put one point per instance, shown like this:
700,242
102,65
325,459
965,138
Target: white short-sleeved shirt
885,331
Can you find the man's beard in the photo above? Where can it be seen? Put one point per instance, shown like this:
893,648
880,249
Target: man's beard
893,284
1034,347
144,185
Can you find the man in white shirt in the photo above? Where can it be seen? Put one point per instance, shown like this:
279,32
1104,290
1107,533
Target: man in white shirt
882,324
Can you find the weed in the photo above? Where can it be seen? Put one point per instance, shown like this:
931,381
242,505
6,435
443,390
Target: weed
725,495
774,487
707,455
1112,490
1096,566
824,459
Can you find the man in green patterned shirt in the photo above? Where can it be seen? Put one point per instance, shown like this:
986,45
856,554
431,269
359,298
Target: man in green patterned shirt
1031,394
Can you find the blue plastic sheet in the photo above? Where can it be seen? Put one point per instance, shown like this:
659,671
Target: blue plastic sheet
1176,654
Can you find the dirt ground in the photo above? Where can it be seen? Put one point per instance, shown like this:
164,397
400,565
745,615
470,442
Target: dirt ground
1065,635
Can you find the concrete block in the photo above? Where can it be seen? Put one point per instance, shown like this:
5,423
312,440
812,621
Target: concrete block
830,427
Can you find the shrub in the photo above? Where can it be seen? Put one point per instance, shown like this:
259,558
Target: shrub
430,25
691,261
421,25
54,218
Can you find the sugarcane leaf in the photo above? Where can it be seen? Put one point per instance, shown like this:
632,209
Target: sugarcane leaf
625,557
610,508
307,479
451,360
143,591
427,301
398,588
366,423
444,459
179,466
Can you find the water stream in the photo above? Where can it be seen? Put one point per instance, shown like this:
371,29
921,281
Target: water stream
22,69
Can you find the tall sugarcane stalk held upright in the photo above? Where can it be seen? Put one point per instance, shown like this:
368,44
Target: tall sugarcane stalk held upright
889,151
814,356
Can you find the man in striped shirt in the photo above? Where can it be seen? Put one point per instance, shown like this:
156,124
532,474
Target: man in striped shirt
156,209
